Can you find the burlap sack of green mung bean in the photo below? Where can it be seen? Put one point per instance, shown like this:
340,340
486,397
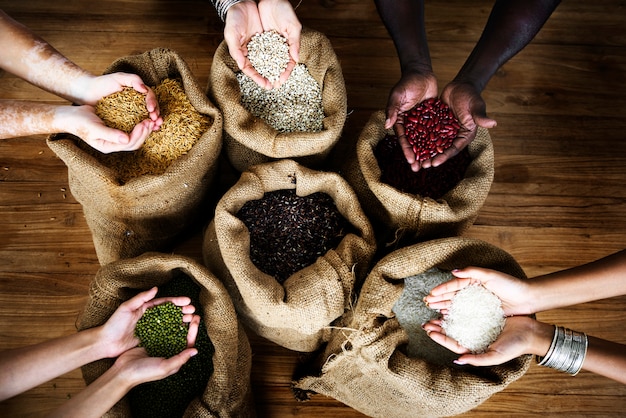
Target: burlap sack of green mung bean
148,212
413,217
298,313
228,391
365,364
249,140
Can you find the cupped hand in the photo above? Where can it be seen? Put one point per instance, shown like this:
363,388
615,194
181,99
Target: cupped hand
412,89
470,109
521,335
137,367
513,292
241,24
118,333
83,122
94,89
279,16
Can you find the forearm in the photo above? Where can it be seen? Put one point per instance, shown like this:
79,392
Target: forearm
31,58
600,279
404,20
97,398
27,118
24,368
606,358
511,26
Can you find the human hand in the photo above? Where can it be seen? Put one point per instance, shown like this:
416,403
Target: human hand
137,367
242,22
118,333
412,89
521,335
470,109
513,292
83,122
279,16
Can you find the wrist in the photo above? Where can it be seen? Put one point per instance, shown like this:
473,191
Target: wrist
542,336
223,6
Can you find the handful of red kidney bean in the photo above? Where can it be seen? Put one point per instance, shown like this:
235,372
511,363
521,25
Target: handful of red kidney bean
433,182
430,127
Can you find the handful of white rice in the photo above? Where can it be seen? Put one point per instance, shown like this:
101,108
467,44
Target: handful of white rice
475,319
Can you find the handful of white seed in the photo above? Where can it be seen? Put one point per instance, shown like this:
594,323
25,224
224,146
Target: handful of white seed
268,53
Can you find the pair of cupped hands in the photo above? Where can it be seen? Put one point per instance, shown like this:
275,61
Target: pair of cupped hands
462,96
516,337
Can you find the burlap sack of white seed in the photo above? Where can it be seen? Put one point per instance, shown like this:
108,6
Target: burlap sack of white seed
228,391
249,140
149,212
413,217
365,364
298,313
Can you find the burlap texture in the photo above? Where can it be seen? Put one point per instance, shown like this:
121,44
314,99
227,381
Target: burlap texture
249,140
364,365
148,212
414,217
228,392
296,314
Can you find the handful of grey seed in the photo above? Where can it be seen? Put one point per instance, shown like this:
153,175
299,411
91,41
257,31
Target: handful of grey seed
268,53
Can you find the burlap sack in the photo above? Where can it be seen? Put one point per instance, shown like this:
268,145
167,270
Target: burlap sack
413,217
296,314
148,212
228,392
364,364
249,141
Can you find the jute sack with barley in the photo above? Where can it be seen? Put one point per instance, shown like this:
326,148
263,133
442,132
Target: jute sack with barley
365,364
249,140
228,392
298,313
413,217
147,212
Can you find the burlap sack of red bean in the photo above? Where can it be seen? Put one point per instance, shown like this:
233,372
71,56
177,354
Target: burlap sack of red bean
249,140
149,212
365,364
413,217
228,392
296,314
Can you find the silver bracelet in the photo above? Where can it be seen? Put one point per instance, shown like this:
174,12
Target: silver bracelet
222,6
567,351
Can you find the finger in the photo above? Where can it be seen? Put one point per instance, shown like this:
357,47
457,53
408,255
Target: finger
294,47
192,332
484,121
448,288
440,305
187,309
490,358
176,300
139,134
447,342
174,363
140,299
256,77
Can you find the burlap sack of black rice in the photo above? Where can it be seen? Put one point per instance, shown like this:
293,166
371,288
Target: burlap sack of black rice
411,217
365,365
148,212
298,312
228,392
249,140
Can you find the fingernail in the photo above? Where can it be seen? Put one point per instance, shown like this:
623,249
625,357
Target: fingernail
459,362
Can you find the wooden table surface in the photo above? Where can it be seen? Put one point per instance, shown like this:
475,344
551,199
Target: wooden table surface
558,198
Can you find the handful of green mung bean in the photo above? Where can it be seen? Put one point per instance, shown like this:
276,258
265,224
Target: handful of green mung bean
161,330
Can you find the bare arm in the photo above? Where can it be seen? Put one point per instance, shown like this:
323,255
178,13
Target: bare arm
24,368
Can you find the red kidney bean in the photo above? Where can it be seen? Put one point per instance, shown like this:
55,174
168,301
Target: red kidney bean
430,127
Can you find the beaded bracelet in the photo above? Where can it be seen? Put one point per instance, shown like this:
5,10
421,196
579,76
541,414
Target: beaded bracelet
567,351
222,7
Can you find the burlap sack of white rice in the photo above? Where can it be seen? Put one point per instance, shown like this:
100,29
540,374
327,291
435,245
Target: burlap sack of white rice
297,313
228,391
250,140
413,217
128,217
366,365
